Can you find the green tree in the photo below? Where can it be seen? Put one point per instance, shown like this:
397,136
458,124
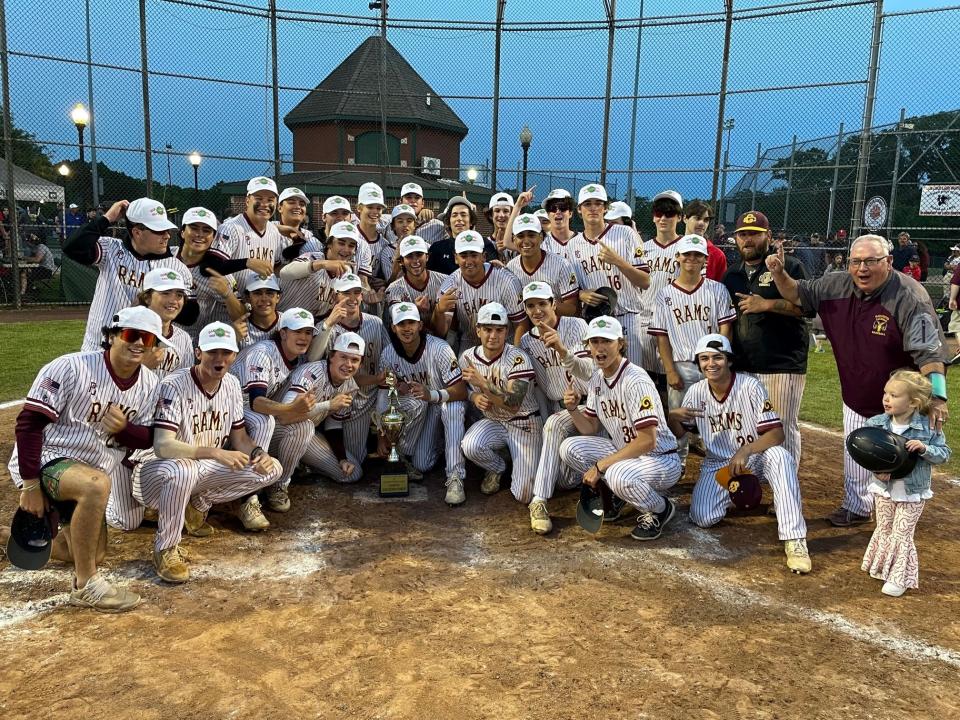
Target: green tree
30,154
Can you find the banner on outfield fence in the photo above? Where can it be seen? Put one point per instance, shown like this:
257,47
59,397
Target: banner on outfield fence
942,200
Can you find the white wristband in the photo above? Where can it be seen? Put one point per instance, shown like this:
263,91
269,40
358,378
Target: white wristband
434,396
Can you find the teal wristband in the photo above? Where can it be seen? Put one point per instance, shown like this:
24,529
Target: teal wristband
939,382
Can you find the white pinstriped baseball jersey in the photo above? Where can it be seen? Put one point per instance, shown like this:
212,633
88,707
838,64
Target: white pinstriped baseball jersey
176,357
402,290
552,270
375,246
257,334
686,316
552,245
730,422
498,285
592,273
262,366
664,267
238,240
75,391
121,279
197,417
434,364
302,292
374,334
628,402
212,306
552,377
361,258
314,377
511,364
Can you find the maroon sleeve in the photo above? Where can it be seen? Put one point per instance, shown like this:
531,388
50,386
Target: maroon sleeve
955,280
135,437
29,434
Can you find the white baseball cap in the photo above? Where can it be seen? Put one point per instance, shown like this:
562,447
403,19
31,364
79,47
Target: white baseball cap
617,210
334,203
604,327
409,188
268,283
539,290
454,202
402,209
140,318
412,244
73,206
296,319
350,343
714,342
294,192
526,223
261,183
501,199
591,192
161,279
404,311
955,247
692,243
149,212
542,214
468,241
217,336
557,194
669,195
346,282
199,215
493,313
345,230
370,194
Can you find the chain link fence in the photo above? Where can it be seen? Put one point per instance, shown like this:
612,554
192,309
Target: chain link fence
755,106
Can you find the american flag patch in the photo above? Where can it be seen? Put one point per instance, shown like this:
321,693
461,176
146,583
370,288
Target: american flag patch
255,369
51,386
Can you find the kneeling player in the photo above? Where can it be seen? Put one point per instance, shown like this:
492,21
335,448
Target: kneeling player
500,378
639,461
199,416
741,429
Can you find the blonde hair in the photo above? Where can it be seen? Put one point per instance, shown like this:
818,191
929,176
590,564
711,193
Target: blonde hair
918,387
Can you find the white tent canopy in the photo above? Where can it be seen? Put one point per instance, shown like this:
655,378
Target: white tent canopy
28,187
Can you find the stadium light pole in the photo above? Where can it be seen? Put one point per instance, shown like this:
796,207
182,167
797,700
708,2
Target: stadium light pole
526,137
721,214
195,160
80,118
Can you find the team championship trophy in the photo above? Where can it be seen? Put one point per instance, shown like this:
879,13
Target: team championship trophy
393,477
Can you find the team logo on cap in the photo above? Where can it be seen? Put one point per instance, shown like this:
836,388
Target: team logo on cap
295,190
171,275
532,286
749,218
405,308
525,220
602,323
411,241
694,240
217,332
262,181
733,486
303,314
591,188
348,226
158,210
201,213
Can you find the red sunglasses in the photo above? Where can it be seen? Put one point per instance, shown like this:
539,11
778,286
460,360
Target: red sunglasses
131,335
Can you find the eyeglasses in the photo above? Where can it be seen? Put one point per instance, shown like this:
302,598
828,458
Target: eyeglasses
665,213
855,263
131,335
558,208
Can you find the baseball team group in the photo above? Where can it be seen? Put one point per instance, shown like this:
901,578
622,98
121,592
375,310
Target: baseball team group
256,352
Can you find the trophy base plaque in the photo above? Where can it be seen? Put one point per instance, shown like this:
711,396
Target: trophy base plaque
393,480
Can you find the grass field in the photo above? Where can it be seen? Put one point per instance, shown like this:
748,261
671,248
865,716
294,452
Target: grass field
26,347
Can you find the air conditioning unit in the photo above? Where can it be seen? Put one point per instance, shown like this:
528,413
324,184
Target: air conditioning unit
430,166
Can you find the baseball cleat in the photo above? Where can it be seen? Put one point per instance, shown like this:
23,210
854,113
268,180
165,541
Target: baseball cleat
491,483
798,558
455,493
841,517
892,589
196,522
103,596
171,564
278,499
251,515
540,521
650,525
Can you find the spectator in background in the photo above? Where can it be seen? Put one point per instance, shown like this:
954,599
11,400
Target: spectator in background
696,217
924,255
720,235
75,219
836,264
903,252
913,268
36,252
952,262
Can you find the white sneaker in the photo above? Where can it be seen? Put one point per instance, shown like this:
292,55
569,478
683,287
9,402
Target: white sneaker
540,521
491,483
892,589
251,515
455,492
103,596
798,558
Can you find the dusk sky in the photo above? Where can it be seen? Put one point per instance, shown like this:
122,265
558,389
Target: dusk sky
234,121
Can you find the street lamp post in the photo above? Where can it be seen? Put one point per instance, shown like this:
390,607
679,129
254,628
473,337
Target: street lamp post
195,160
728,126
526,137
81,118
64,170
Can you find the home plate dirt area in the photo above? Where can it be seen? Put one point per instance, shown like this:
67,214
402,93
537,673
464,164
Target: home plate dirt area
355,607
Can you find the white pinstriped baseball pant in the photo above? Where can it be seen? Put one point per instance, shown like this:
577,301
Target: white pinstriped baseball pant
356,428
421,434
785,391
649,355
856,497
303,442
260,427
124,511
551,471
640,481
169,485
710,501
522,437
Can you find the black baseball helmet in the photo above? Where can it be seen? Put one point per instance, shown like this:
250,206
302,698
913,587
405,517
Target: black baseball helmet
607,307
881,451
31,538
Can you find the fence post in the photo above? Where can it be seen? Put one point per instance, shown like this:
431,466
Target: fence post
836,179
93,116
611,6
896,172
722,105
501,5
863,157
276,89
145,89
9,182
631,198
753,185
793,161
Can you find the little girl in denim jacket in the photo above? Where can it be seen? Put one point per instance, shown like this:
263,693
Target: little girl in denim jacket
891,555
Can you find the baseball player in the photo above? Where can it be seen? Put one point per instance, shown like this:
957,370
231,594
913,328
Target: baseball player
263,370
686,309
498,214
292,223
533,264
308,281
606,255
403,220
331,384
415,284
432,395
262,297
559,208
202,453
475,283
336,209
544,219
660,252
370,206
124,263
556,347
500,377
639,461
740,428
430,229
83,411
164,292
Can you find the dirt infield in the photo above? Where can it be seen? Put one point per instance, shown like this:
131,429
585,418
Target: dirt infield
352,607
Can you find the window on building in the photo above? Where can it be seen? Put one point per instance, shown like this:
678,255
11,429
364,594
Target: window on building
369,146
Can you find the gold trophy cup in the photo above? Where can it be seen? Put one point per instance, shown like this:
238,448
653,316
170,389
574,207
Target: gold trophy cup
393,478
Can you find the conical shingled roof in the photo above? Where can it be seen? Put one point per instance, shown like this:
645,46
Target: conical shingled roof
405,93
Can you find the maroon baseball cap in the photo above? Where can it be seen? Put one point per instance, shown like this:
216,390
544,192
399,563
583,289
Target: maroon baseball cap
745,491
753,220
